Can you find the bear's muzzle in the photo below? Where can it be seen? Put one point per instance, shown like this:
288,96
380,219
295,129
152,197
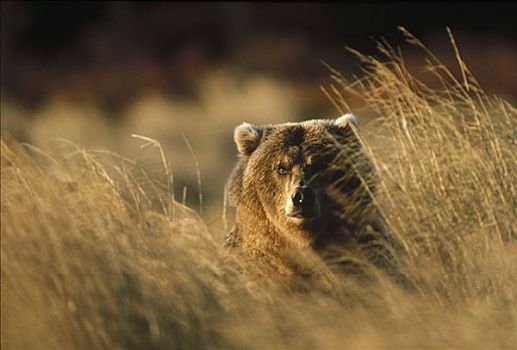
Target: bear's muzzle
302,204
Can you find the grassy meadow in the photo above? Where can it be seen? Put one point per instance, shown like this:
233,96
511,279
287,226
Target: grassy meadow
100,251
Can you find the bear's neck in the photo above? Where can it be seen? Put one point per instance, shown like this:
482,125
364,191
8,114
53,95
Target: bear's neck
257,231
261,240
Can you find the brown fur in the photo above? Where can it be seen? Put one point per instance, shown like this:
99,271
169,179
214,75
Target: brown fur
325,155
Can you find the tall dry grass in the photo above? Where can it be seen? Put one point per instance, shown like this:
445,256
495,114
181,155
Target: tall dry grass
96,254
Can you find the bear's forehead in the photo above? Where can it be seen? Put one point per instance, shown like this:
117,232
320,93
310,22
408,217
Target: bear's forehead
306,133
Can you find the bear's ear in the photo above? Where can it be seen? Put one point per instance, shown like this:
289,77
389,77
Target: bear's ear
247,138
346,120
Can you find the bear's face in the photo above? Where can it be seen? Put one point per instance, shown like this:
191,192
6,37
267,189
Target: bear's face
299,172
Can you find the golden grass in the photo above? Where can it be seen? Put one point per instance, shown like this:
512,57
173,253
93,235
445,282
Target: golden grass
96,254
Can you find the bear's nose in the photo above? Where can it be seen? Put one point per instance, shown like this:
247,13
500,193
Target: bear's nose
303,197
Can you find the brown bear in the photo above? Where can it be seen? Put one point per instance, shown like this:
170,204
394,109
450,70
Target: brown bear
306,185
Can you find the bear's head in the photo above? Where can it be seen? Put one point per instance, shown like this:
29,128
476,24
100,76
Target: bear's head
302,176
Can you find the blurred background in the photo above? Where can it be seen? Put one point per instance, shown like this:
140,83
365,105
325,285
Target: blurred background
97,72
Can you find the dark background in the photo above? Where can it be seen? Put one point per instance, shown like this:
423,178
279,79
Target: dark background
110,51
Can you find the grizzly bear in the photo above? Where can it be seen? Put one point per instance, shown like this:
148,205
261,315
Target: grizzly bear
306,185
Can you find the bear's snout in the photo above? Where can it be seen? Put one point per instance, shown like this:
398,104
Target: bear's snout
302,203
303,197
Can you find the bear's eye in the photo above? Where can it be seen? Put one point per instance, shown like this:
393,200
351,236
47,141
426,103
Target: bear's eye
282,169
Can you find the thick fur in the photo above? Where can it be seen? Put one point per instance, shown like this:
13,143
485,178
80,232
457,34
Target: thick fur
324,155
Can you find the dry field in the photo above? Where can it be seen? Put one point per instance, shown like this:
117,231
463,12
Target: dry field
96,253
